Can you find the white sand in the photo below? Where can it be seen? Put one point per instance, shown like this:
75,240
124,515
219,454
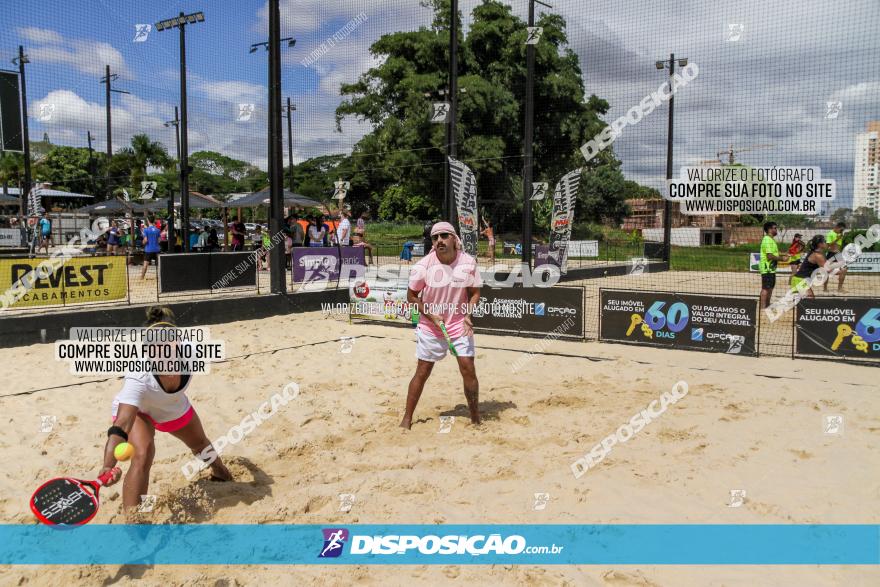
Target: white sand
740,427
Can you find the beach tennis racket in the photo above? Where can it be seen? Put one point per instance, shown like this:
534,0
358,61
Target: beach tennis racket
68,502
448,340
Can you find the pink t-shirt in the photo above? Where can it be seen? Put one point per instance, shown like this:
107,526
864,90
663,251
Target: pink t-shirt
444,290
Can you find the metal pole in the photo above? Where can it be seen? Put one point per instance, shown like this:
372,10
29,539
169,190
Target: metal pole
290,109
107,104
276,151
527,146
667,205
451,147
184,147
91,162
171,231
26,142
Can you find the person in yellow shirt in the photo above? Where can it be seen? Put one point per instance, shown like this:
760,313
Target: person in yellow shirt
770,258
834,239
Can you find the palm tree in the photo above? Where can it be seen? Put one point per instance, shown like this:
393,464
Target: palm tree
145,153
11,169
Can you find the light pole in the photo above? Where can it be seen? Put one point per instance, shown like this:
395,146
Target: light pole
289,110
667,205
528,142
176,124
180,22
26,142
277,281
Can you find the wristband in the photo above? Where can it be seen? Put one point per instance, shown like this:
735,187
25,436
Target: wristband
118,432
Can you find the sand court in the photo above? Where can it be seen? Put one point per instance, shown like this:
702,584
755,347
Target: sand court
745,424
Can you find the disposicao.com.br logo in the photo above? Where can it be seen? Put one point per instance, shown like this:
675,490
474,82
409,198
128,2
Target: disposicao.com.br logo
431,544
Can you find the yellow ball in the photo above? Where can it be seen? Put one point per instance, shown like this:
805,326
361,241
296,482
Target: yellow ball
123,451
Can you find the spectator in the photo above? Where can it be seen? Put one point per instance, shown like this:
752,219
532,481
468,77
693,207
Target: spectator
239,232
407,253
151,248
297,233
202,243
327,232
317,232
343,231
359,238
193,240
794,256
489,233
834,242
163,236
45,232
426,234
113,238
257,238
213,242
770,258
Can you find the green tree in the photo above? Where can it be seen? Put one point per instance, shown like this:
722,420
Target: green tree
144,153
406,149
864,217
842,215
11,169
215,173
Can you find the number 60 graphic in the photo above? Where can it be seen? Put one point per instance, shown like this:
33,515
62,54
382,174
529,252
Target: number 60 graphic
676,318
869,326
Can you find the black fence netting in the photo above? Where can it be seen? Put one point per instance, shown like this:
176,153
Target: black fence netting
548,142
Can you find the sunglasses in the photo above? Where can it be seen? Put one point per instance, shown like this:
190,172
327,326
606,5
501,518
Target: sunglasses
443,235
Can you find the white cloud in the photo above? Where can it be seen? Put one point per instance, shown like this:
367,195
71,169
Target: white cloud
38,35
89,57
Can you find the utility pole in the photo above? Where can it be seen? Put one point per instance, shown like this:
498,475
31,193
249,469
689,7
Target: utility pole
92,168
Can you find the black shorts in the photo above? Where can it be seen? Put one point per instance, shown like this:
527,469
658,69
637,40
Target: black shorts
768,280
151,257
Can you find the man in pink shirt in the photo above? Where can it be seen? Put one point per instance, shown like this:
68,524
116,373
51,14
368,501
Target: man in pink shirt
445,287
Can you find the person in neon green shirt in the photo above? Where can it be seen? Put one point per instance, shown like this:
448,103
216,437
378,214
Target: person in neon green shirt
834,239
770,257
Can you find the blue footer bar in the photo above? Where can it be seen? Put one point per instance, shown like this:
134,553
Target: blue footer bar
443,544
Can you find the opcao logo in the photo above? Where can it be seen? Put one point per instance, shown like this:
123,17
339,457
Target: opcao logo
697,334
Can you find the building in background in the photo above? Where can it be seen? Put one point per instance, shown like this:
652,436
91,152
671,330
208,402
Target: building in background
866,180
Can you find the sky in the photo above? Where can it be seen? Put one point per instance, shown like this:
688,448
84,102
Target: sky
766,81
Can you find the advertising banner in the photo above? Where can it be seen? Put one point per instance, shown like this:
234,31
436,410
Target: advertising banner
79,280
838,327
214,271
684,321
10,237
562,216
545,310
379,302
322,263
464,186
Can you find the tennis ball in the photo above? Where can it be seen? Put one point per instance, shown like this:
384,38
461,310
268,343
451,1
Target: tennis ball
123,451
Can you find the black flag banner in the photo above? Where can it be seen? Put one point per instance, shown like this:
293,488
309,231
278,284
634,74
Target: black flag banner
563,216
464,186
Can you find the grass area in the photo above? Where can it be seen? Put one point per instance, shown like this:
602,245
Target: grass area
615,246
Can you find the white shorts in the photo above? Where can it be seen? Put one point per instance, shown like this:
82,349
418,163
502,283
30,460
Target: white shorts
432,348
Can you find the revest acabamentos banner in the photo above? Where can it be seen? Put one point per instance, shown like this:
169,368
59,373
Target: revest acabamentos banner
685,321
79,280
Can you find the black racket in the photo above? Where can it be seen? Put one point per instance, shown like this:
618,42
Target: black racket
68,502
